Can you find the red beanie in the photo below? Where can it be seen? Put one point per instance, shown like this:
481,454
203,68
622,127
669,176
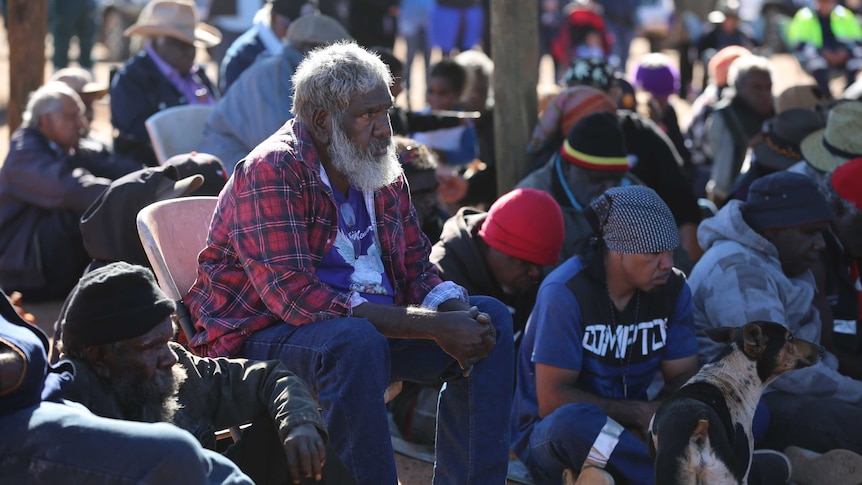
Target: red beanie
847,181
526,224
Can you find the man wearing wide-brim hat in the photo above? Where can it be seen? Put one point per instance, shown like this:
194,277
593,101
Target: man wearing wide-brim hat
776,148
82,82
162,75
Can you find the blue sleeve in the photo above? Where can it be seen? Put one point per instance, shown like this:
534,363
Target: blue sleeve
559,328
681,340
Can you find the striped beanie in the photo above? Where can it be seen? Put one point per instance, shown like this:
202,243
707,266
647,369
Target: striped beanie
634,220
596,142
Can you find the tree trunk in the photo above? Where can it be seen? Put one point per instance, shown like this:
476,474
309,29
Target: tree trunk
515,44
27,24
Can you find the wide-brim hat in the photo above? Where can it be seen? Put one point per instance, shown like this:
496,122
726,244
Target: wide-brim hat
82,82
177,19
840,141
800,96
779,148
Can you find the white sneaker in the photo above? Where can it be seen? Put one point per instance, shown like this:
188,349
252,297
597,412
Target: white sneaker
835,467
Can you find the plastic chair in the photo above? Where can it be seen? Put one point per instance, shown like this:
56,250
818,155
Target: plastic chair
173,232
178,129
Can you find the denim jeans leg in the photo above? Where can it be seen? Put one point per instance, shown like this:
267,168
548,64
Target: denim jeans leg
566,438
345,363
816,423
472,413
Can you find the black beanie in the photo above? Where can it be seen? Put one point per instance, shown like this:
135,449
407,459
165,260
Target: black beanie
116,302
784,199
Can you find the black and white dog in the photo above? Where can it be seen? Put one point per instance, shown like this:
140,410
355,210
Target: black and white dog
702,434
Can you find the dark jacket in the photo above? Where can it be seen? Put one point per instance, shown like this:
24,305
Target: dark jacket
218,394
241,54
659,166
37,183
655,163
458,257
371,24
138,91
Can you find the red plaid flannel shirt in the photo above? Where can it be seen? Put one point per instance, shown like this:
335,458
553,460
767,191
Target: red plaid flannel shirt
275,220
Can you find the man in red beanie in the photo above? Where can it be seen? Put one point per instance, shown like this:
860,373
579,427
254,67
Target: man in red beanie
606,322
499,253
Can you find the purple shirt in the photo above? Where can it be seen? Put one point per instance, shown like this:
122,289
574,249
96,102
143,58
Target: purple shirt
353,263
187,84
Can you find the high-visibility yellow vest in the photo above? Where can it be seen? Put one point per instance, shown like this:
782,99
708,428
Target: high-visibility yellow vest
806,28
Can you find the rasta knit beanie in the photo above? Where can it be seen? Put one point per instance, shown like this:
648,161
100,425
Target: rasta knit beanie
113,303
596,142
525,224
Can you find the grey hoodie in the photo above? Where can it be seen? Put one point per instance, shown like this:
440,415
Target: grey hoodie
739,280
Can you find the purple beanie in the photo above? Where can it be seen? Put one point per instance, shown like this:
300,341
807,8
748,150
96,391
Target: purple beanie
656,75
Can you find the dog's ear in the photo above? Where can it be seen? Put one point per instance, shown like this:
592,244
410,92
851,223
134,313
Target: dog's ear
754,339
722,335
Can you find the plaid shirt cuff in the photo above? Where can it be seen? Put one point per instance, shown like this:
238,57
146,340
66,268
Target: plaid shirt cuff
446,290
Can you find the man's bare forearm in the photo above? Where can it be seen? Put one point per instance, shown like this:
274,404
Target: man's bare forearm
398,322
629,413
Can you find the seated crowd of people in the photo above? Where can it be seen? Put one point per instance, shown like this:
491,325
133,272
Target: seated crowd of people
356,242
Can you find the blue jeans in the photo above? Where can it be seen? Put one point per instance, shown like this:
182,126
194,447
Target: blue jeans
73,18
58,443
347,363
816,423
447,22
566,437
624,35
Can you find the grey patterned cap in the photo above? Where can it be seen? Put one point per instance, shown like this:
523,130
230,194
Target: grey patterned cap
634,220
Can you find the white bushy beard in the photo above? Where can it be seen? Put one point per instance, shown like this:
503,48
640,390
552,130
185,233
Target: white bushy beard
362,168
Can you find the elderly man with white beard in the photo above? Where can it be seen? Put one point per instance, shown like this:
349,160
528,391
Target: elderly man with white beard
315,257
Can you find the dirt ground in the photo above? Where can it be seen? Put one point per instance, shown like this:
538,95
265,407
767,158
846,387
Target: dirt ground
411,471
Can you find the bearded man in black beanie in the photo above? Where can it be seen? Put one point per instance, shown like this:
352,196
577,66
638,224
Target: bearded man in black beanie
117,330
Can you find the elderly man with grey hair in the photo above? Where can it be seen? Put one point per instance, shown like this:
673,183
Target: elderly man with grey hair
736,120
44,189
315,257
261,103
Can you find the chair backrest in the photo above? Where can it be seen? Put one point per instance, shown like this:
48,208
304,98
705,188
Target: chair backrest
173,232
178,129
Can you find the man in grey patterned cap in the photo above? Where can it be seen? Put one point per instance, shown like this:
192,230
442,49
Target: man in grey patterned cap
605,323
